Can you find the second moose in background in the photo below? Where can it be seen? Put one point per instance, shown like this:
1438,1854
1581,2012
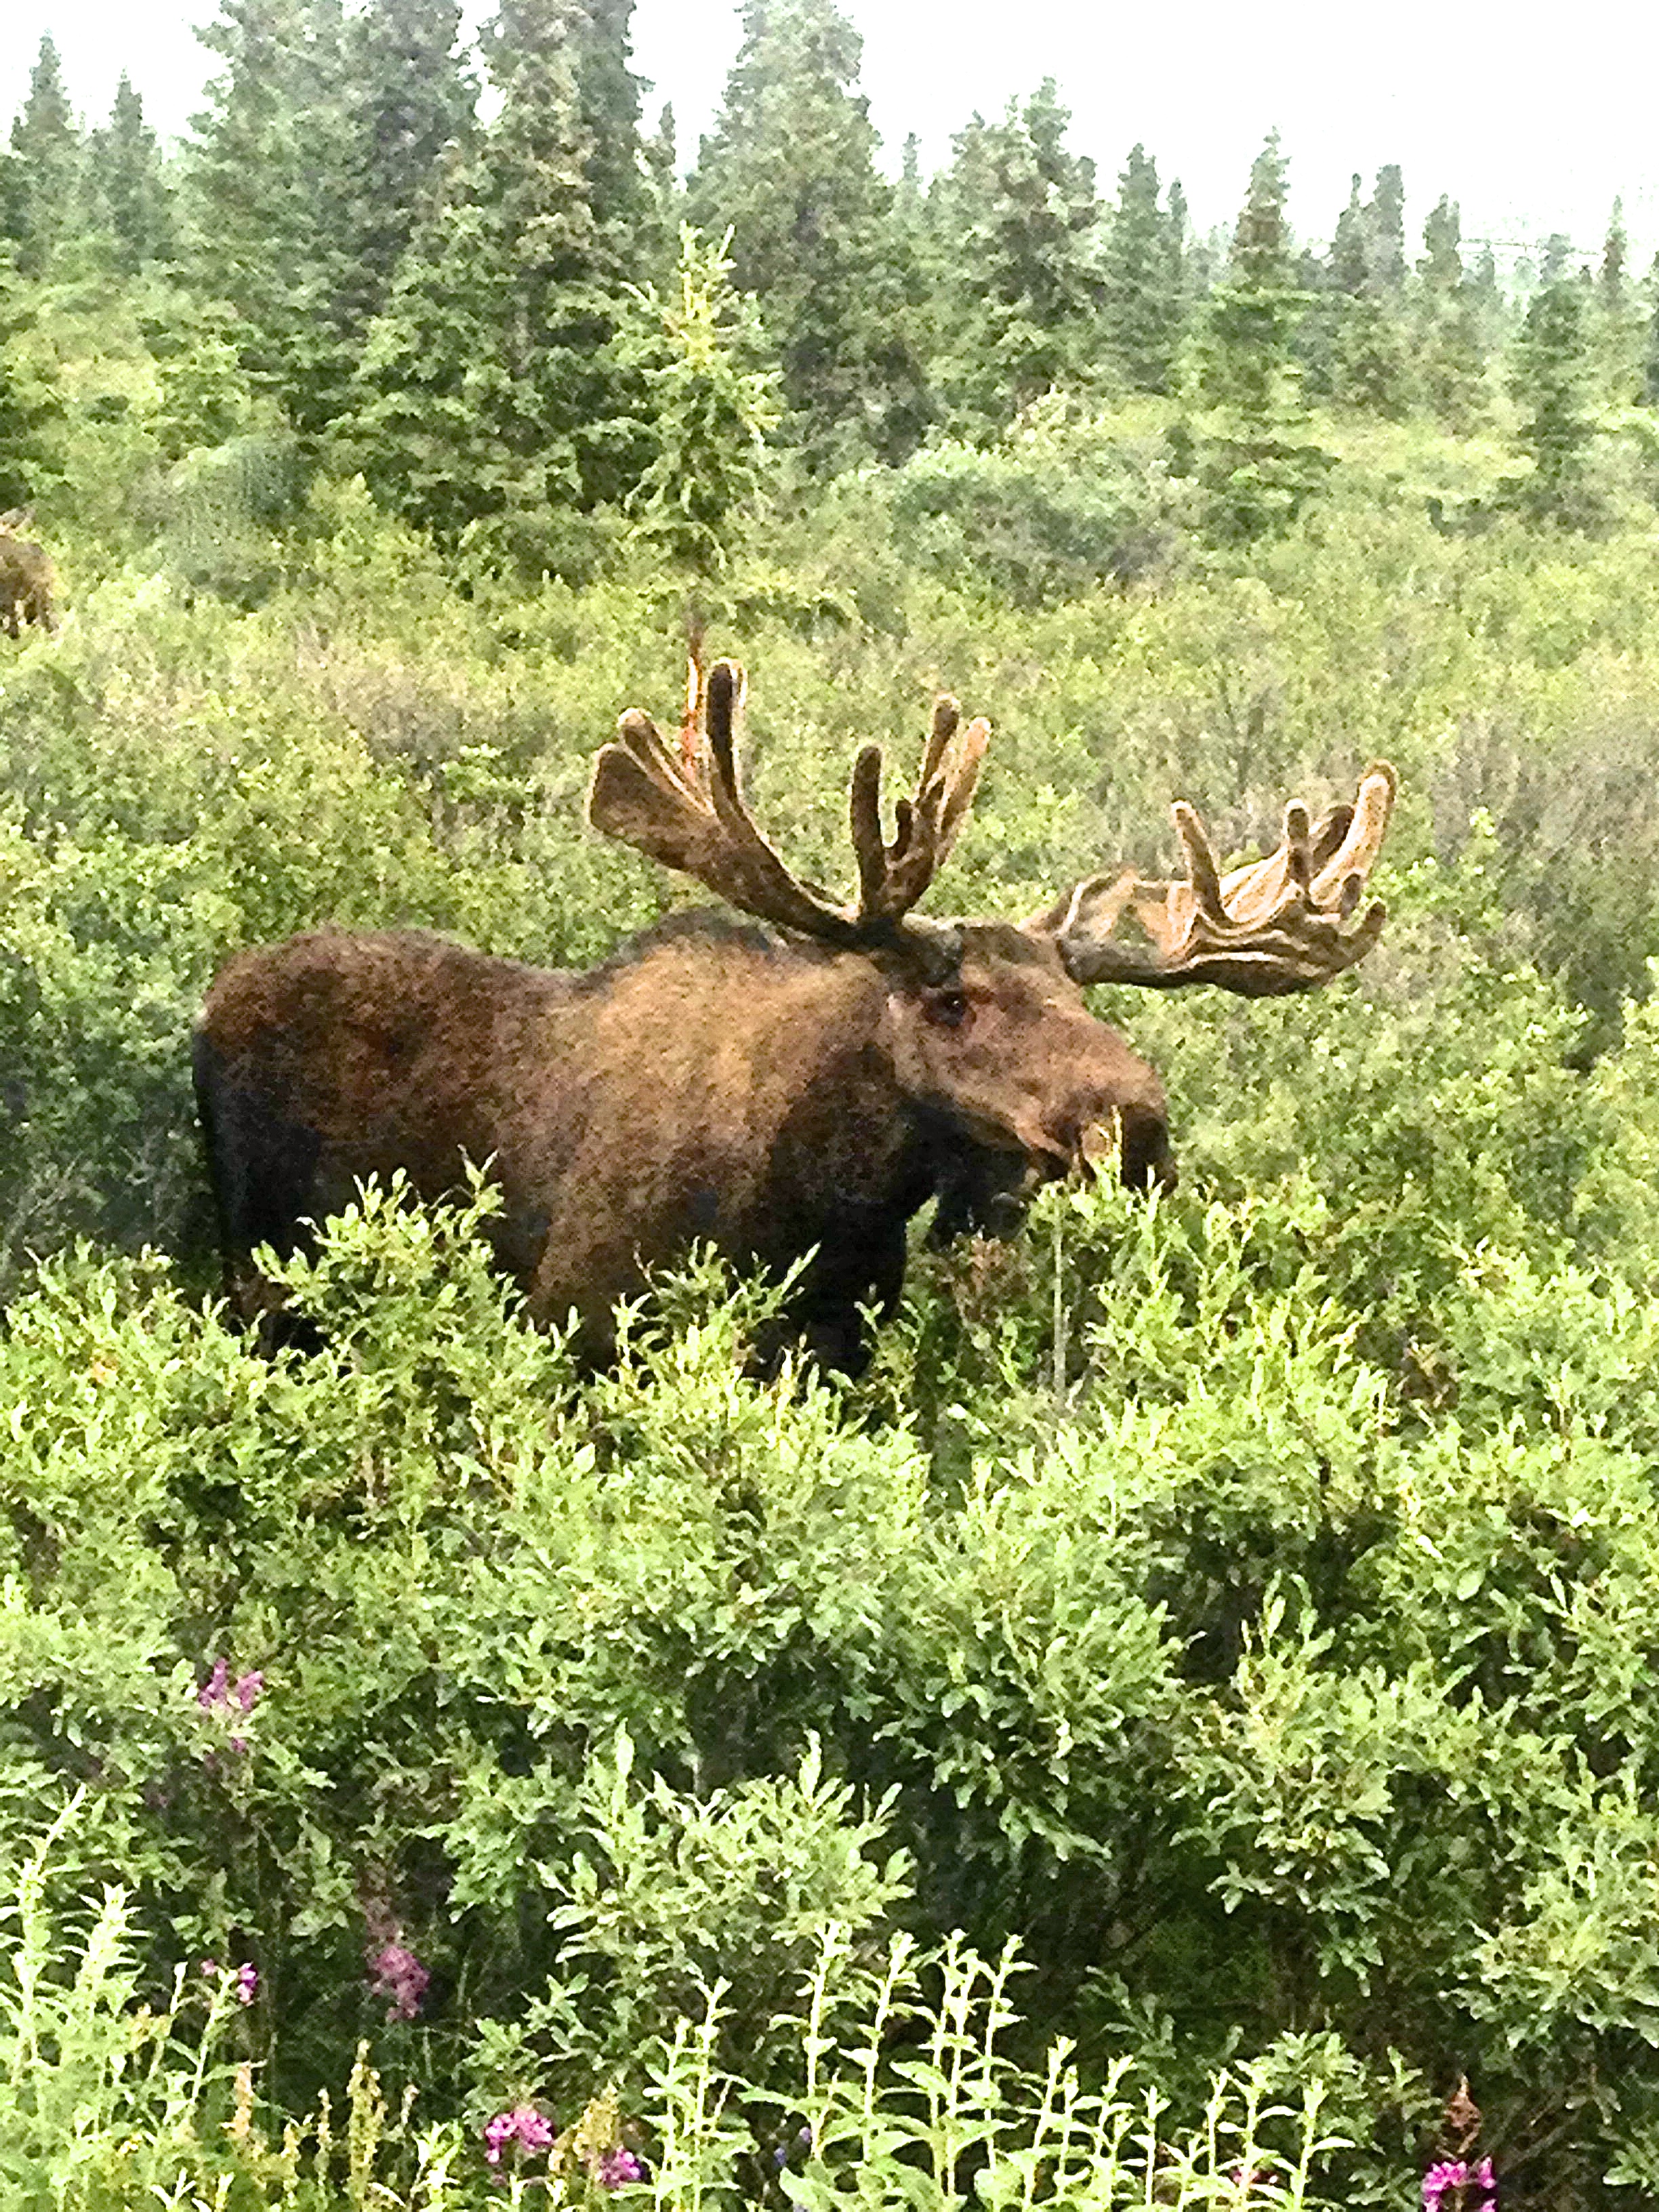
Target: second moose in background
27,580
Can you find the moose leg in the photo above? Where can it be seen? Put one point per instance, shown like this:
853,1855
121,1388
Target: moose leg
262,1170
852,1274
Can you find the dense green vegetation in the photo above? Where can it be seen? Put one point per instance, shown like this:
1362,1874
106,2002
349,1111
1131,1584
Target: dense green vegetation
1191,1706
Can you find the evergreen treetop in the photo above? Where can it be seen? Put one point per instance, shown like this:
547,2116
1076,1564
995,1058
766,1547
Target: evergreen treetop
1017,229
1385,230
271,200
1143,277
491,390
1260,256
790,169
47,152
411,103
130,185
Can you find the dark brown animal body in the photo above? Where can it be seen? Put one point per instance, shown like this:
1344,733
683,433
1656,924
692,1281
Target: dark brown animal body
799,1089
26,580
710,1082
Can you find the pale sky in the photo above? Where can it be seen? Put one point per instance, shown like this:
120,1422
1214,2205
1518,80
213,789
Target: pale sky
1533,118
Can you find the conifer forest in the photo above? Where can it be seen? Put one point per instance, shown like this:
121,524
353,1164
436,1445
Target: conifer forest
1180,1726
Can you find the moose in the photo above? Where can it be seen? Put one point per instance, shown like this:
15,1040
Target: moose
793,1092
25,578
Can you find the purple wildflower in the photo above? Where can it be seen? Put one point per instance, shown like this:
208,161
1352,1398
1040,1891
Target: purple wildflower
245,1982
396,1972
220,1696
1445,2173
1449,2173
524,2125
617,2166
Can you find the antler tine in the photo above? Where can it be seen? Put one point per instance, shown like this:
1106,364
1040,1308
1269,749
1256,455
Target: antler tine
1202,872
644,740
864,809
1357,855
722,726
946,716
1298,857
963,783
894,876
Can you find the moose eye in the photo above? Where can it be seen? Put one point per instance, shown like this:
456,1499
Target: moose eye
949,1009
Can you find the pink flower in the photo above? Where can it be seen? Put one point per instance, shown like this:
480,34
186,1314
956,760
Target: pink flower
246,1982
1449,2173
396,1972
617,2166
524,2125
220,1696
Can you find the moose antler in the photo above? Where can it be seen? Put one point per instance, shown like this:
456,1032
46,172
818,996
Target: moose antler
690,815
1278,925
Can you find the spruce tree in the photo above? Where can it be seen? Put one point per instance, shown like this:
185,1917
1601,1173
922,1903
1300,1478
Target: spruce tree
1447,337
11,201
491,390
714,404
1142,279
409,106
1257,466
1018,232
608,93
1331,284
1489,311
1618,327
1245,364
47,153
1557,259
133,195
270,199
790,168
1552,379
1367,346
1385,232
29,405
1350,264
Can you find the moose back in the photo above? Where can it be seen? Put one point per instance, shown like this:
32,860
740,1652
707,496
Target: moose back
801,1088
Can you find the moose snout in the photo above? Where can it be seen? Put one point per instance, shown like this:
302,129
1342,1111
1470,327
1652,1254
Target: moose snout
1133,1138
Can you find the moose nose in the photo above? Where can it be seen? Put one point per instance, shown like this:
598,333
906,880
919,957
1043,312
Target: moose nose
1133,1142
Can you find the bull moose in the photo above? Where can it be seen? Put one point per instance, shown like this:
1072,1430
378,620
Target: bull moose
25,578
799,1089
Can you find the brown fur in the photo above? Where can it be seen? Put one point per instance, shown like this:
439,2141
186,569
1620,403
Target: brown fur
710,1082
26,578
